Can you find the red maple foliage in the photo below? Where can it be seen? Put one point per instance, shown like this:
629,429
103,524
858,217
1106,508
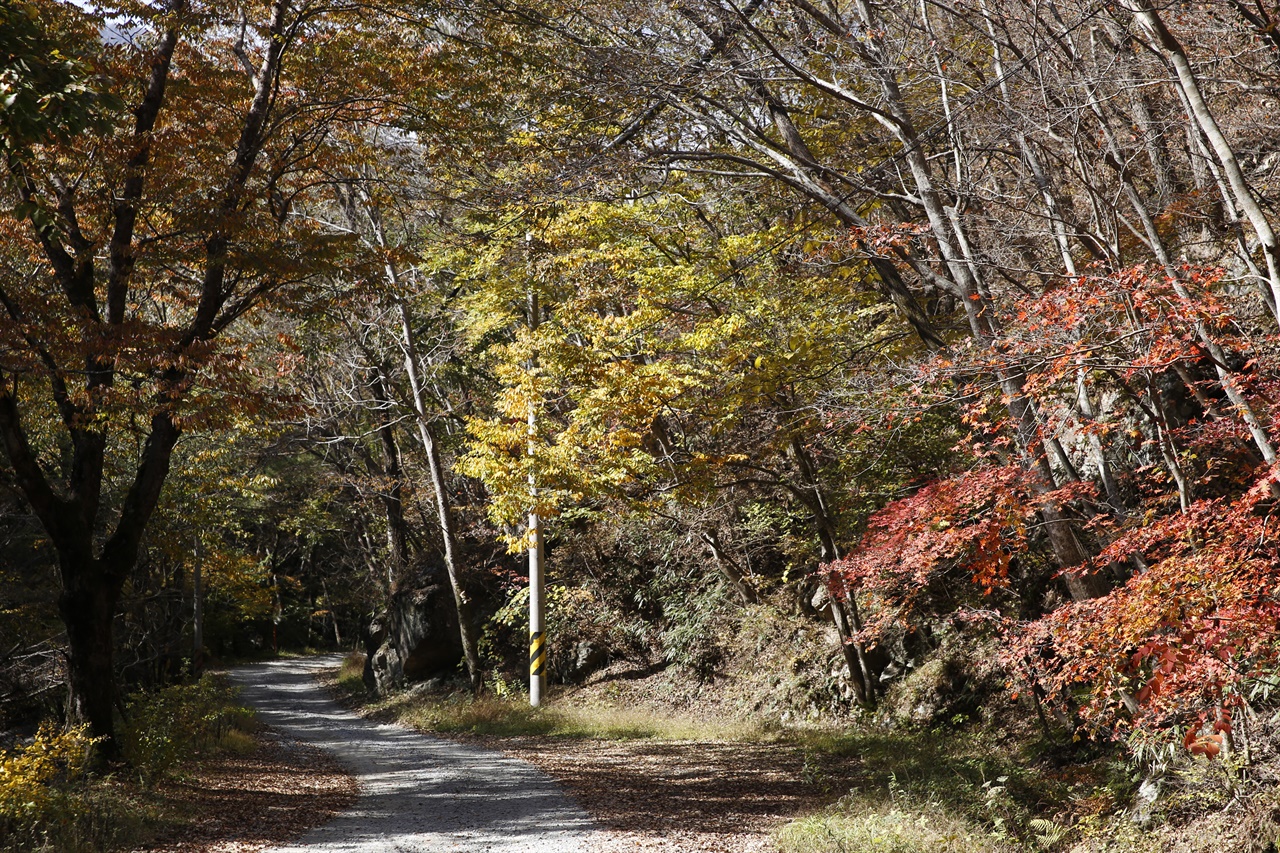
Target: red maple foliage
1194,626
968,527
1180,643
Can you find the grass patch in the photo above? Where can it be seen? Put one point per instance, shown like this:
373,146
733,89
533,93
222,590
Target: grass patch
504,716
503,711
969,771
853,827
961,781
939,790
350,677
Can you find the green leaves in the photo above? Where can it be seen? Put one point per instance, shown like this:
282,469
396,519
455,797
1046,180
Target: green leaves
46,90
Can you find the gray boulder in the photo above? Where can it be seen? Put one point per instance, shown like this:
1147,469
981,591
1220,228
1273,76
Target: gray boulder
415,639
585,658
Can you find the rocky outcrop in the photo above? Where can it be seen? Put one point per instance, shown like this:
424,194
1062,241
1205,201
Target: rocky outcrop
585,658
415,639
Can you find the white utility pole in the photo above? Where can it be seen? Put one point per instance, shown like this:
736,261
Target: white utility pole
537,633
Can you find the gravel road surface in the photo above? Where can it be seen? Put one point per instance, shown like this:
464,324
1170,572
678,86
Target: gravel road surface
418,794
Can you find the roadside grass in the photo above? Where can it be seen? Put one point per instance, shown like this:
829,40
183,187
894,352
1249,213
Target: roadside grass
940,790
350,678
504,716
855,826
501,711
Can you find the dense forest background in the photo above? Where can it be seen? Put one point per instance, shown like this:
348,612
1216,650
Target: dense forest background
946,325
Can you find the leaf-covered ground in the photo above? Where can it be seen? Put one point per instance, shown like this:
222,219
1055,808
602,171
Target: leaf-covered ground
676,796
243,803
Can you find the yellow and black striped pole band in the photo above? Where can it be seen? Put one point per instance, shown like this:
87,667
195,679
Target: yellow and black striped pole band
537,653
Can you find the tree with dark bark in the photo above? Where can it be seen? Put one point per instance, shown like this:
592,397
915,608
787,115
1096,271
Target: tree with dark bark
134,253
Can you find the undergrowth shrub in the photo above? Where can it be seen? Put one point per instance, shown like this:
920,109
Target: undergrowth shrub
180,722
575,619
695,624
38,786
49,804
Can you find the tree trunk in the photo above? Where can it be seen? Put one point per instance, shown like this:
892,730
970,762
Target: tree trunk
448,528
952,244
392,491
197,595
1156,243
466,613
848,624
730,569
854,655
87,606
95,554
444,510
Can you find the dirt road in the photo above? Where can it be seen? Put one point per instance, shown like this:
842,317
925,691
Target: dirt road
418,794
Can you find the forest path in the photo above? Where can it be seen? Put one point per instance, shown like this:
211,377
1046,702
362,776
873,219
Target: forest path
418,794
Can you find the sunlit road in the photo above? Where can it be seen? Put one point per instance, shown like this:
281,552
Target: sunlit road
418,794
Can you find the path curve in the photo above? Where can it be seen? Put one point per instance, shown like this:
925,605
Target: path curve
418,794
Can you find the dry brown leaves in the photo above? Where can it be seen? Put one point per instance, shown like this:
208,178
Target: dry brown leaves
243,803
676,796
